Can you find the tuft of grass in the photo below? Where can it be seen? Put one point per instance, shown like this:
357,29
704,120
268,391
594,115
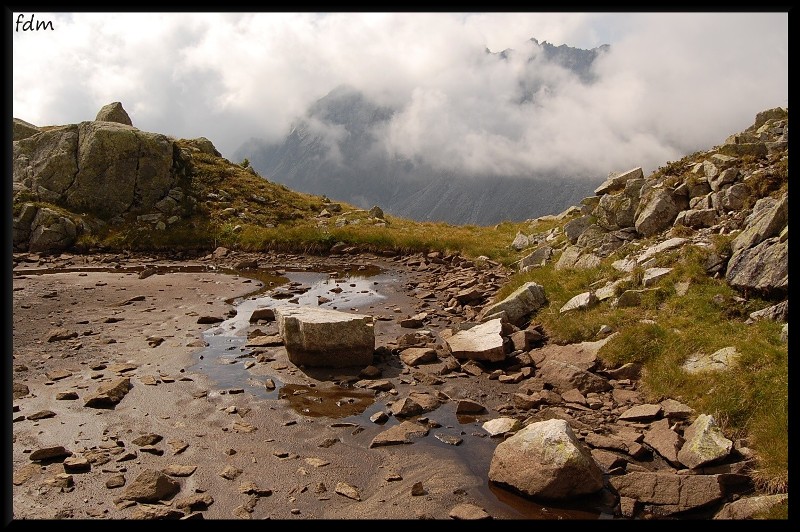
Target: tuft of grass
637,342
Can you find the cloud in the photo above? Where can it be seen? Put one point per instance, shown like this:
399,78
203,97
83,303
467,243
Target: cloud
672,83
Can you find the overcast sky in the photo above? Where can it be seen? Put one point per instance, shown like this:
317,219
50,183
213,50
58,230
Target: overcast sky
672,84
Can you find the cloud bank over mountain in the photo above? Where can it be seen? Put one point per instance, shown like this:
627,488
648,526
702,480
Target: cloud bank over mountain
669,84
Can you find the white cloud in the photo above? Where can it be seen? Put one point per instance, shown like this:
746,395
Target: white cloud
673,83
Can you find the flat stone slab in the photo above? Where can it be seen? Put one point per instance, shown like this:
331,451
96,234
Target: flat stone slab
651,252
400,434
323,337
501,425
653,275
646,412
482,342
582,355
718,361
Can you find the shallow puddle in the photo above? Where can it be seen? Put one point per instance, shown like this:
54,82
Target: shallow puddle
329,402
225,357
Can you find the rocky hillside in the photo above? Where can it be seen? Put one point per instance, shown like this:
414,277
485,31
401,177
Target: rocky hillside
107,182
738,191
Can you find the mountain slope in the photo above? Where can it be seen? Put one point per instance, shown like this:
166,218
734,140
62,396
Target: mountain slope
335,149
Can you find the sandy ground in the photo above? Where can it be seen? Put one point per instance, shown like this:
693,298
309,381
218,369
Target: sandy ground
295,461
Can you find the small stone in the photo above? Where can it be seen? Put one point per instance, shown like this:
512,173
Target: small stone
116,481
466,511
317,462
49,453
230,472
66,396
76,464
43,414
346,490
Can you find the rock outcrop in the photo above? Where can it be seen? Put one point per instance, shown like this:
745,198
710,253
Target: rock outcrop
23,129
92,173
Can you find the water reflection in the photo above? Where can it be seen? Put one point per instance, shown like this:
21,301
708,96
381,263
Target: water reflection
225,357
328,402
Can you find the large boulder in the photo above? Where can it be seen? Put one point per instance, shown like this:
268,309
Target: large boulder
591,237
121,168
203,145
568,258
732,198
21,226
582,355
617,211
705,443
51,231
768,219
763,268
668,493
574,228
617,181
546,460
100,168
320,337
776,113
657,212
564,376
697,218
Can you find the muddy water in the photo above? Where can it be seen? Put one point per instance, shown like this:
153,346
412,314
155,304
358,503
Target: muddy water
455,437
